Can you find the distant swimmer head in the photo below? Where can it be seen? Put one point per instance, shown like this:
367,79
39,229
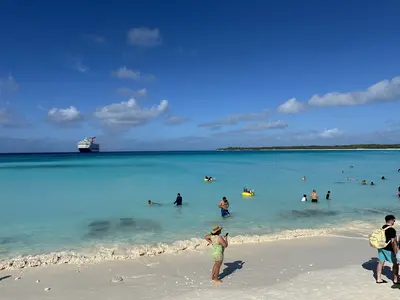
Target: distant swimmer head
372,183
303,178
224,198
304,195
398,170
149,202
383,178
179,194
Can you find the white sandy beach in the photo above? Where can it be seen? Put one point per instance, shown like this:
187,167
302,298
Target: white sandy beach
329,267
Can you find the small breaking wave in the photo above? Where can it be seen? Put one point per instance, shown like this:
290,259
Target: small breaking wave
132,252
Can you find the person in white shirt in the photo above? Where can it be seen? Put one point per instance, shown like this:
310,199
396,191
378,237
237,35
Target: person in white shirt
304,198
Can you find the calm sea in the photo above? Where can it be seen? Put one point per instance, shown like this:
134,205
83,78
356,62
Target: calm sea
52,202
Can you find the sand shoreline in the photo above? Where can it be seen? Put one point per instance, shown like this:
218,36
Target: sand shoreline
323,267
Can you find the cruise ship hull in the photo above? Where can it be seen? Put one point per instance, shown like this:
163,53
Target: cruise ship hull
93,148
87,150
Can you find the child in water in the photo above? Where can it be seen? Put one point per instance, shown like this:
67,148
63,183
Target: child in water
328,195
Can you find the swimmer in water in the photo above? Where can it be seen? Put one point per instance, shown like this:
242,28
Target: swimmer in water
152,203
372,183
303,178
383,178
304,198
398,191
328,195
224,205
314,196
364,182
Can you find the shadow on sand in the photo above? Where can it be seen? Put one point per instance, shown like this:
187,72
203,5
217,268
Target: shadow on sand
5,277
371,266
230,268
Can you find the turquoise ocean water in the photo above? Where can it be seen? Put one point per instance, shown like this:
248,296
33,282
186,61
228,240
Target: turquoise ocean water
54,202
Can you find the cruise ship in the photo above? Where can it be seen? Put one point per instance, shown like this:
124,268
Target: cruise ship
88,145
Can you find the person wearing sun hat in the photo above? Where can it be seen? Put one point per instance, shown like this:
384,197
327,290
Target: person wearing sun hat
219,244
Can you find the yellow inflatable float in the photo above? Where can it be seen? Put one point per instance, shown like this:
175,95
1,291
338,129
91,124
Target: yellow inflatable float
250,194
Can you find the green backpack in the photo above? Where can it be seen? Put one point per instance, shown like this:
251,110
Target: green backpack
377,239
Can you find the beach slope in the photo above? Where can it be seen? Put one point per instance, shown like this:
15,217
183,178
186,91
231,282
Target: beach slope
320,268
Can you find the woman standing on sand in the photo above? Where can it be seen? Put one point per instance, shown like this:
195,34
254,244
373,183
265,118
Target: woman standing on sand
219,244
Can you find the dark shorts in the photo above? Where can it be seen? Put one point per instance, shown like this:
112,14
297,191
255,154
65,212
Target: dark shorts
314,200
224,212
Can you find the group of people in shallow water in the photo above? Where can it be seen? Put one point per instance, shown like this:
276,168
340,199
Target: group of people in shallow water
178,201
314,196
223,205
364,182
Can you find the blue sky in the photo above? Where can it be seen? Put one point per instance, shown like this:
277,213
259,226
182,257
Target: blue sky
203,74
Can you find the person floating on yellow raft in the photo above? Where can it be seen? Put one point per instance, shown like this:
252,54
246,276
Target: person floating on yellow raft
247,192
206,178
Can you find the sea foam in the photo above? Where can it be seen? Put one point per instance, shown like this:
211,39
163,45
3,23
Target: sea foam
126,253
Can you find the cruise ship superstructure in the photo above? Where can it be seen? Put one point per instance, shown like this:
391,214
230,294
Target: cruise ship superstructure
88,145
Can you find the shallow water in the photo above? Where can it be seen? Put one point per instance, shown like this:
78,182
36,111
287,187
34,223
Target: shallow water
53,202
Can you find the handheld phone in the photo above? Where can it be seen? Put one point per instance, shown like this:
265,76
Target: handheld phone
227,234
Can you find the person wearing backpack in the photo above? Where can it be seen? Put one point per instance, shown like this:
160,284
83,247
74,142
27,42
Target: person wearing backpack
388,253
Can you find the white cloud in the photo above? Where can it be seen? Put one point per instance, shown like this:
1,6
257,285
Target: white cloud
253,127
129,114
330,133
9,119
175,120
125,73
64,116
314,134
142,92
291,106
80,67
235,119
144,37
385,90
124,91
279,124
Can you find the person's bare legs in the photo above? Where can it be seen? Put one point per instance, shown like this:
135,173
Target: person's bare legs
379,268
213,271
395,273
216,269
